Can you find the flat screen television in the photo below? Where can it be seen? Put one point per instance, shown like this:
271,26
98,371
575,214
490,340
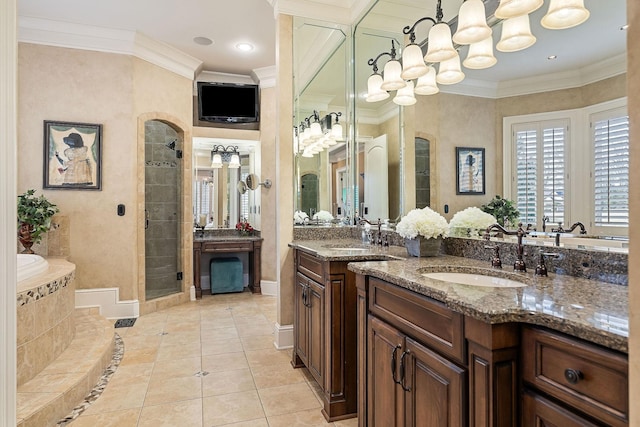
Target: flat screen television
228,102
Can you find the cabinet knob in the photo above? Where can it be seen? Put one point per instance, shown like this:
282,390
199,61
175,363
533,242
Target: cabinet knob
573,375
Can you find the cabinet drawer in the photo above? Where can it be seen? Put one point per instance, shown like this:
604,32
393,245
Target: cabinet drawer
310,266
589,378
227,247
422,318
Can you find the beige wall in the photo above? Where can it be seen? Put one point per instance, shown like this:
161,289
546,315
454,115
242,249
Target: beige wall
268,201
113,90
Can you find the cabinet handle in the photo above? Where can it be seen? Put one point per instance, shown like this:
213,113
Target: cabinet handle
308,300
393,363
304,296
573,375
402,370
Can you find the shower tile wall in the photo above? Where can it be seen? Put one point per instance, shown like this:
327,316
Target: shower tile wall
309,193
162,177
423,192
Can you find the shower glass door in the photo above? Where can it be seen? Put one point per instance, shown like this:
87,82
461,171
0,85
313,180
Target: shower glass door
163,171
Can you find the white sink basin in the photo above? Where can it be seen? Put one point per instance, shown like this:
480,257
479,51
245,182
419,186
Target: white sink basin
475,280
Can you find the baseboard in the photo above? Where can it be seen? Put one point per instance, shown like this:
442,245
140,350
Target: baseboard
283,335
108,301
268,287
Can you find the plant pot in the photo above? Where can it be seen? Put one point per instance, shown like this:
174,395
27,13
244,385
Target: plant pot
421,247
25,238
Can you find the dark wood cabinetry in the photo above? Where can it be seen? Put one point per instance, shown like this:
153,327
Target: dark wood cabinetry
584,379
325,331
423,364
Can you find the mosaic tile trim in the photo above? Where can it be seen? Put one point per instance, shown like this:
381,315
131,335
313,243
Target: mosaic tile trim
118,354
42,291
161,164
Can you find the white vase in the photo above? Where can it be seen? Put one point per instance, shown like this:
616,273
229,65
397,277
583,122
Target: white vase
422,247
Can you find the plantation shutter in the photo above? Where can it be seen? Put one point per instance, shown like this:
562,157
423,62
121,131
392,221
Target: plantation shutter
526,174
611,171
553,171
244,199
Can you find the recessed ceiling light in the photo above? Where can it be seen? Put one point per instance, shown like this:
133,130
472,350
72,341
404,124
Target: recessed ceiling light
552,57
204,41
245,47
624,27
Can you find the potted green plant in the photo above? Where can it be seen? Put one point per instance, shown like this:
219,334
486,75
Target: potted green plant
34,218
503,210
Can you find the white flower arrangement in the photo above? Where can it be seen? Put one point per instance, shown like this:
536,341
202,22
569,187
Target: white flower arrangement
300,217
323,216
424,222
470,218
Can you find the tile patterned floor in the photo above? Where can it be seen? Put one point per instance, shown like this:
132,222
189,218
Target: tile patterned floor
207,363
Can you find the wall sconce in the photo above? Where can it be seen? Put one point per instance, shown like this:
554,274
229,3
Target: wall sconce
221,154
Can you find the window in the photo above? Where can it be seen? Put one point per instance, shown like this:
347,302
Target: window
610,136
571,166
540,165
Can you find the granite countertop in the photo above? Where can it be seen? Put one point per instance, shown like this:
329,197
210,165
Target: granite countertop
587,309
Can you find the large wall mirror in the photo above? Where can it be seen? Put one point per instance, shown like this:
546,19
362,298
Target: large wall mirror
219,198
421,139
321,69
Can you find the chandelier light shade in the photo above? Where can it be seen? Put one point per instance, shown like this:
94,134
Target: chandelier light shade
307,153
392,76
472,23
316,130
413,65
374,91
449,72
426,85
216,161
480,55
405,95
512,8
440,45
564,14
336,131
516,34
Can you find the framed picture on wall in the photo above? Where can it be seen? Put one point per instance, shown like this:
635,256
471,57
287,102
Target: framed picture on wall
72,155
470,171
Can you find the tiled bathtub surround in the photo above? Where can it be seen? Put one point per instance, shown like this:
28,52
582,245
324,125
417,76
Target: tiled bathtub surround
45,327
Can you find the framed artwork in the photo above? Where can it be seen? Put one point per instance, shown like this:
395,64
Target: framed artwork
470,171
72,155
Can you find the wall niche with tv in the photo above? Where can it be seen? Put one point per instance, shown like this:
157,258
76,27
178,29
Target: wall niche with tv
227,105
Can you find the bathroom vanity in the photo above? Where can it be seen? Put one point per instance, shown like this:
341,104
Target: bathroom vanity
552,351
228,245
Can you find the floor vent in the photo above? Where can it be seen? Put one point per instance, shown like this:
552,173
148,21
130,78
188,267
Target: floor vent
125,323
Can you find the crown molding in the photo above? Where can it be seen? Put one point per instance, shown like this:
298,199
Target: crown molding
266,76
336,11
79,36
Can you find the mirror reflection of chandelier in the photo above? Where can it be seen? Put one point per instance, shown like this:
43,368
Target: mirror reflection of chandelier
473,29
221,154
311,138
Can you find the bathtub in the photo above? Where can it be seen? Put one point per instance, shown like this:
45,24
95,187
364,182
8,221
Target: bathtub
30,265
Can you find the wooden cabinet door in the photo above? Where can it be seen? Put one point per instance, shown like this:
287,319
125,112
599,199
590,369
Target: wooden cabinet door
301,321
385,397
540,412
435,388
315,308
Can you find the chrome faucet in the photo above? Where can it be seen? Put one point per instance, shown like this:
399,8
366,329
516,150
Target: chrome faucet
519,264
541,268
559,229
377,239
578,224
545,219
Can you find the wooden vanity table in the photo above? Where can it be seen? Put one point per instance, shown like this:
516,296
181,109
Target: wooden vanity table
228,244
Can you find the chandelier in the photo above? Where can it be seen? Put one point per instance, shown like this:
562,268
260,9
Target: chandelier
472,30
311,138
221,154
